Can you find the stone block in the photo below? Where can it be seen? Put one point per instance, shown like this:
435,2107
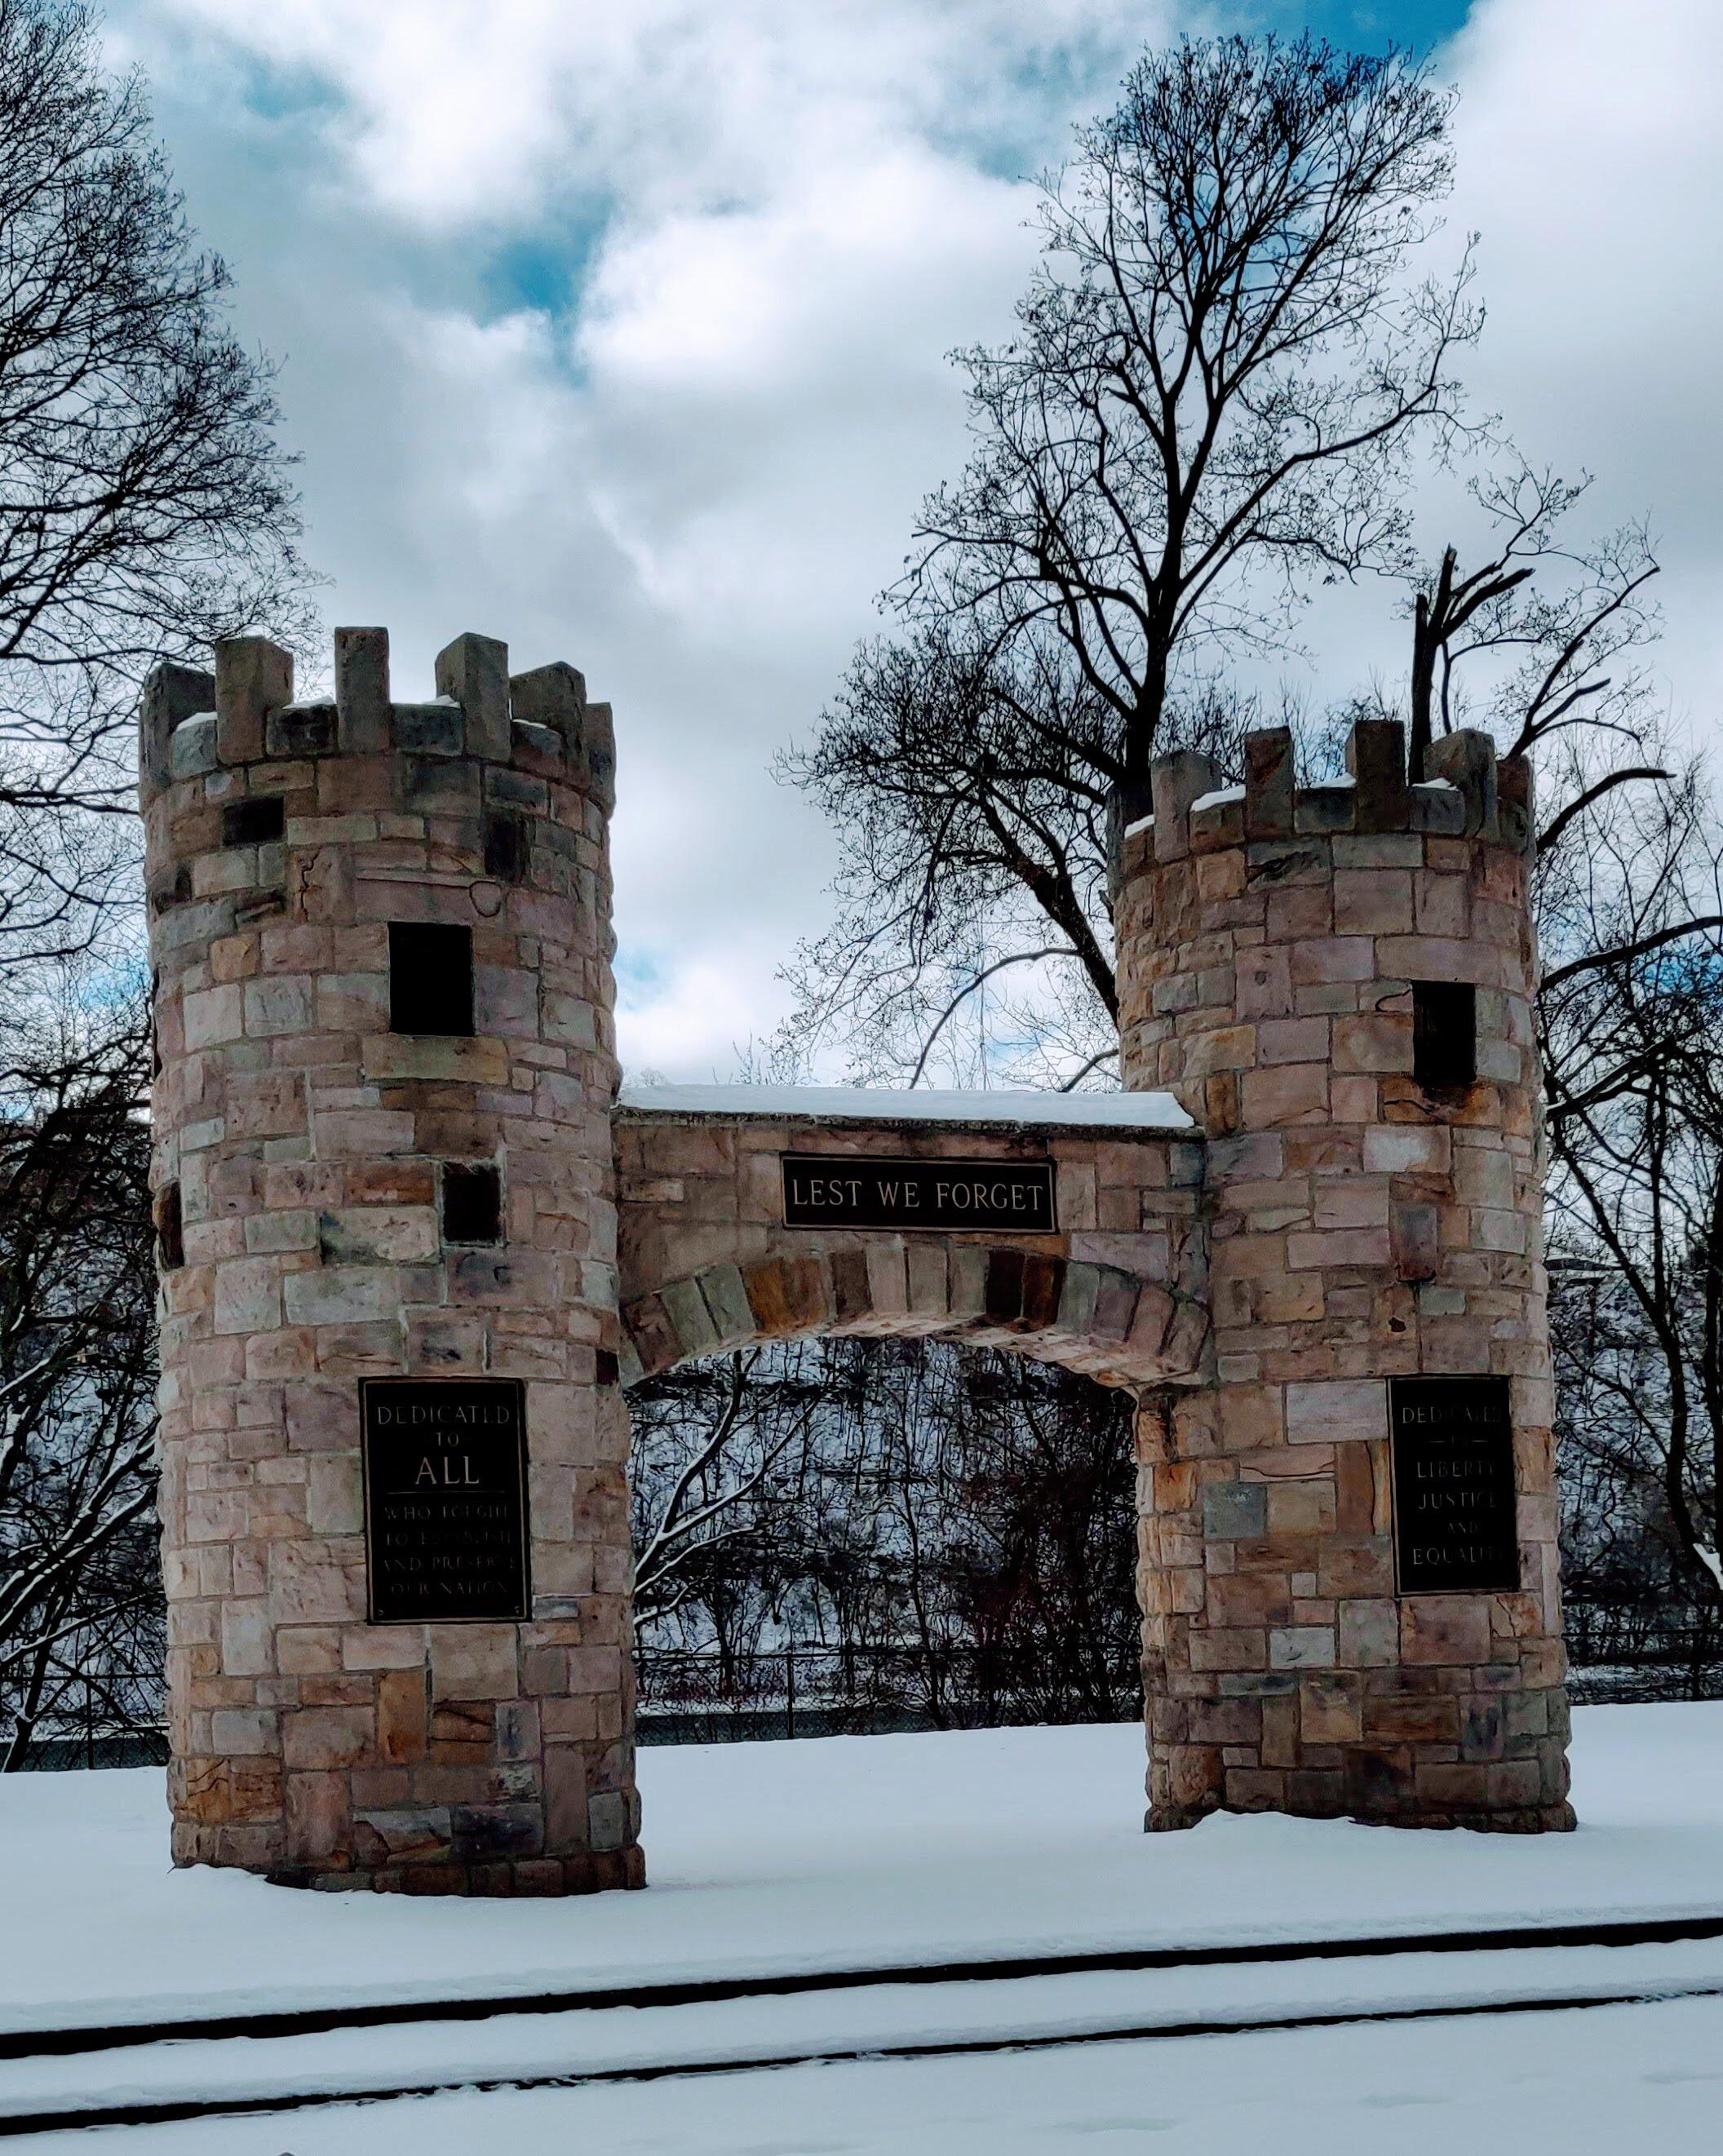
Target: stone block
1284,1094
191,750
1176,782
1320,810
1372,1041
1301,1647
253,678
1268,783
474,670
1372,902
316,1738
1445,1629
476,1061
362,691
248,1295
1376,756
246,1638
1330,1708
1416,1237
171,693
313,1581
335,1497
1355,1567
1318,1411
482,1831
1234,1510
433,729
341,1295
1466,758
294,730
279,1004
1406,1149
554,697
378,1235
473,1662
696,1333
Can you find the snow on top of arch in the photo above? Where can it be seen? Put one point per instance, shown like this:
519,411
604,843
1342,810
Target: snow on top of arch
1130,1111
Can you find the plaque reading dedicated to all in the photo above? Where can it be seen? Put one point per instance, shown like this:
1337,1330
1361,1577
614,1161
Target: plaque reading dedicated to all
445,1498
1455,1528
844,1190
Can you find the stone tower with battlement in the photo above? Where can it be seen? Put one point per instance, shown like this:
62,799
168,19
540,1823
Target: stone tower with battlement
412,1248
381,935
1337,982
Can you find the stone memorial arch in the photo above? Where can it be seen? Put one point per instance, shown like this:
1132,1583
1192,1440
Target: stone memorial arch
413,1248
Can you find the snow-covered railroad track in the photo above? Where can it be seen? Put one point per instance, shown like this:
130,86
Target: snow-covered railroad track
165,2079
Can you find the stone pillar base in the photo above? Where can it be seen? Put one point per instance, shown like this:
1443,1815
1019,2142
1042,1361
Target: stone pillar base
540,1876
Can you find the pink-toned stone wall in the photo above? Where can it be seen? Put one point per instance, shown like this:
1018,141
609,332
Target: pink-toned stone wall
305,1143
707,1264
1361,1228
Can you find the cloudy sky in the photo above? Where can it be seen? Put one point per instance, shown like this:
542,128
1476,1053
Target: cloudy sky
616,328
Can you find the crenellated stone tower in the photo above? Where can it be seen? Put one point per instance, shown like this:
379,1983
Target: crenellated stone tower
1337,982
381,933
412,1248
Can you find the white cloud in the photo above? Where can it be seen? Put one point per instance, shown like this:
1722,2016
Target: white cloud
1591,158
691,476
689,472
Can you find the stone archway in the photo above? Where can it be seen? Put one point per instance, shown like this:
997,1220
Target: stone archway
709,1262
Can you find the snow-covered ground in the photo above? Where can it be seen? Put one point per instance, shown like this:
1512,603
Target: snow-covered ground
835,1854
1618,2081
894,1853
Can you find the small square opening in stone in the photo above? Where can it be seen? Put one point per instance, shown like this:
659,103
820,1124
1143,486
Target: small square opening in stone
430,977
1444,1033
170,1232
472,1202
253,823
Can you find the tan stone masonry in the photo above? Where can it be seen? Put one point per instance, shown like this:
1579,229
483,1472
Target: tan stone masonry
1361,1228
708,1265
1328,1223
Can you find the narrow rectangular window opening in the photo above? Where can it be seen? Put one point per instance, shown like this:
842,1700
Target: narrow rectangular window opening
170,1233
430,979
505,839
472,1202
1444,1034
253,823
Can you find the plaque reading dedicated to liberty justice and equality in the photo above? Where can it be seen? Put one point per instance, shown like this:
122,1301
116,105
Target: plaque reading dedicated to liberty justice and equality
446,1499
852,1190
1455,1527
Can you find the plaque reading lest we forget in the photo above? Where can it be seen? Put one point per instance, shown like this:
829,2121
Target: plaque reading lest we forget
1455,1527
446,1499
845,1190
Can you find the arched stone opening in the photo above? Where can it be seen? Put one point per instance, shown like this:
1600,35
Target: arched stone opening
1113,1286
1112,1325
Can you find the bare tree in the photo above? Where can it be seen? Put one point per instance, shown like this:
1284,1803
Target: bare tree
718,1450
1220,373
144,505
79,1588
1632,1036
944,1532
145,508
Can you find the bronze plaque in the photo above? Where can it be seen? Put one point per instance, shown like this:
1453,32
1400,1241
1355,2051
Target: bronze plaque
446,1499
1455,1521
846,1190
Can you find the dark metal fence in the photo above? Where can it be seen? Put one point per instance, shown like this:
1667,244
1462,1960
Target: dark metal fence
702,1697
1616,1657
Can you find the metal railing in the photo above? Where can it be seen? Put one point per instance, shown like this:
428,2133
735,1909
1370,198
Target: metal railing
700,1696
